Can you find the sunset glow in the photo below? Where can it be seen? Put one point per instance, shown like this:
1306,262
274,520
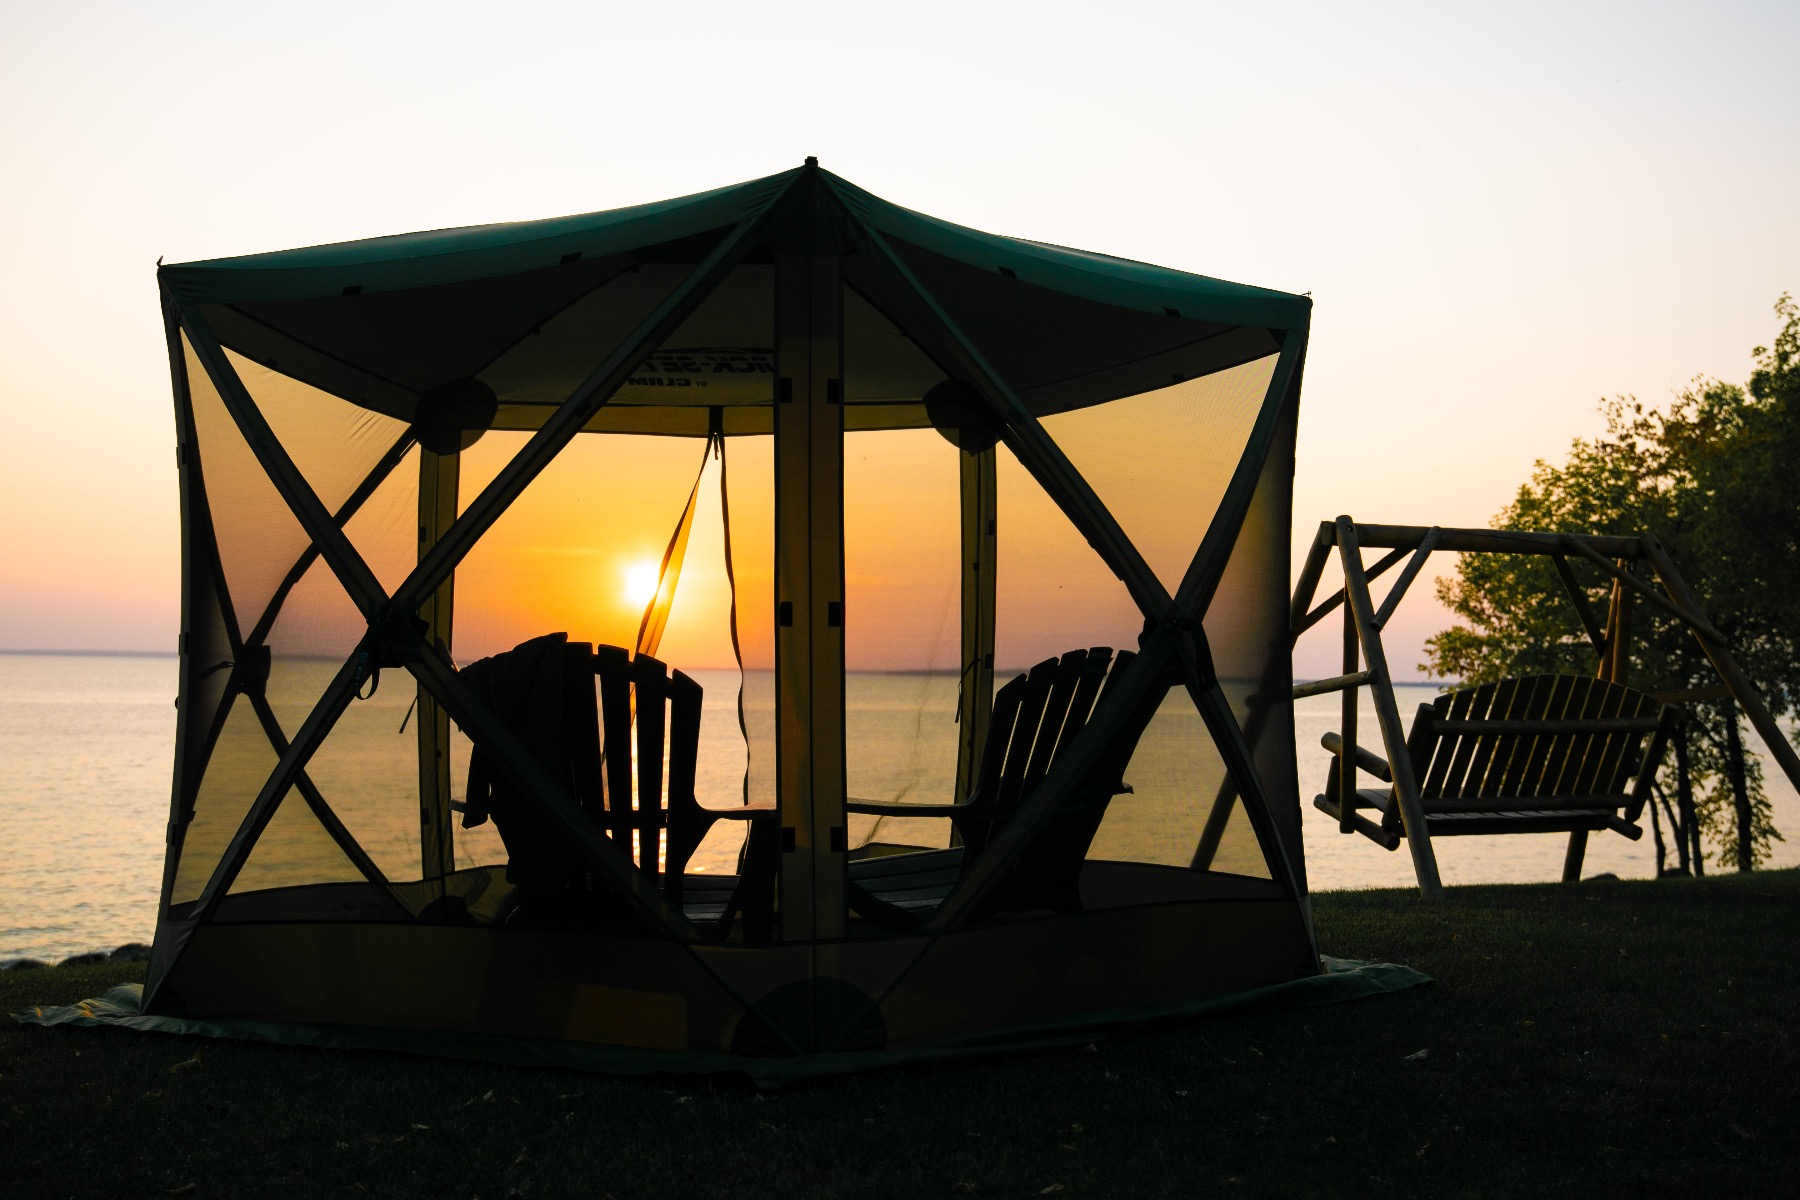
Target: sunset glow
640,583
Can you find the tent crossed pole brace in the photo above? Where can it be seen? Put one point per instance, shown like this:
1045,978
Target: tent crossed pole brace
1365,658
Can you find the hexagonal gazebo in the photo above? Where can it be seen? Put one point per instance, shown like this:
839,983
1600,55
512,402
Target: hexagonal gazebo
979,732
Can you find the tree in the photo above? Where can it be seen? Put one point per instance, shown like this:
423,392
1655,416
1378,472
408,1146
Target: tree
1716,477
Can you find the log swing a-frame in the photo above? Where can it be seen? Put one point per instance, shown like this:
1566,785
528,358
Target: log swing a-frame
1532,743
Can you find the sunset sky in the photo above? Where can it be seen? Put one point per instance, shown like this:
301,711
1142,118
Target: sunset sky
1500,218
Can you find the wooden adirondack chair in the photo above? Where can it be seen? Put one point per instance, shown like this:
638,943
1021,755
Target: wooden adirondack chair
1538,754
1035,716
619,785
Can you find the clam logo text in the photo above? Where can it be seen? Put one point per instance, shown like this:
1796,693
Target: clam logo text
698,367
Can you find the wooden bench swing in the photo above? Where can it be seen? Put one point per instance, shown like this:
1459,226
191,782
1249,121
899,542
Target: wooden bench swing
1539,754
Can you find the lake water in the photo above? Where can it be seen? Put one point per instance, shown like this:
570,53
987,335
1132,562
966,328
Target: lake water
86,745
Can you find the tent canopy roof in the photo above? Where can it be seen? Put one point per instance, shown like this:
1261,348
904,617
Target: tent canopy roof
530,308
479,251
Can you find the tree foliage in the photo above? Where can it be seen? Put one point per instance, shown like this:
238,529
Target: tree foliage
1716,477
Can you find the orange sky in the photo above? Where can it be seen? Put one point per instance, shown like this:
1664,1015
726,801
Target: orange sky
1498,226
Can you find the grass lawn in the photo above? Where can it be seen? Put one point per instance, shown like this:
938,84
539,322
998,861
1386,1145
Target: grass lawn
1611,1038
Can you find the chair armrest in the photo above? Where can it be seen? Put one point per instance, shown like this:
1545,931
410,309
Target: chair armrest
1374,764
748,813
896,808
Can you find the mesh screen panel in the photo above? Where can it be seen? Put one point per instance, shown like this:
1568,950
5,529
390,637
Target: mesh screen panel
385,529
258,537
578,551
241,761
1174,774
1054,594
367,769
1160,461
568,553
315,632
334,443
293,850
1248,629
902,626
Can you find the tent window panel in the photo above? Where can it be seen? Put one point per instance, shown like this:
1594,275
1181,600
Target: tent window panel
317,629
259,538
1054,594
480,846
1161,460
332,441
902,616
1177,778
294,850
582,550
1246,625
242,761
367,770
385,529
1240,851
578,551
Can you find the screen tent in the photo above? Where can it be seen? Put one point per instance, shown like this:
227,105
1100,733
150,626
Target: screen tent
849,470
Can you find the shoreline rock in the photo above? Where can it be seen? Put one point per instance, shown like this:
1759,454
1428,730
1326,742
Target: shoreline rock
130,952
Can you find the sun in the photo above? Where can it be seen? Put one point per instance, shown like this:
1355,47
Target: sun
640,583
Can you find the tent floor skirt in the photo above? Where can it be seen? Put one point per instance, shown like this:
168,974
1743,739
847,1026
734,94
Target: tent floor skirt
1341,980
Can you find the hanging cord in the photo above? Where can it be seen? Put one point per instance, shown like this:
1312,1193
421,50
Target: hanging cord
668,576
715,440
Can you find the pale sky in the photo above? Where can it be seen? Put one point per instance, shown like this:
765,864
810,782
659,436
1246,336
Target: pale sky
1501,218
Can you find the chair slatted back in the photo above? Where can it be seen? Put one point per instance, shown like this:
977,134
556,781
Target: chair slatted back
1539,742
1034,716
648,720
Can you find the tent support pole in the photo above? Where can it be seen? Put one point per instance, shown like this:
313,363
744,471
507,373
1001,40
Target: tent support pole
975,691
439,476
809,593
